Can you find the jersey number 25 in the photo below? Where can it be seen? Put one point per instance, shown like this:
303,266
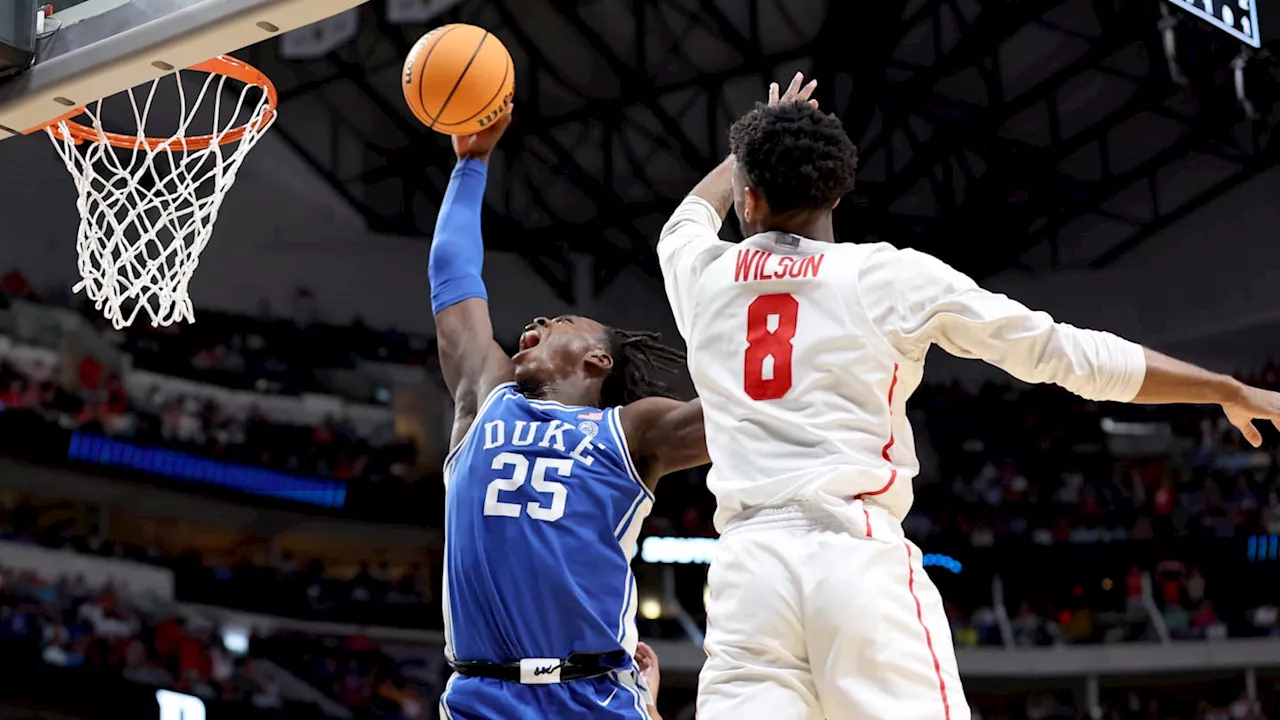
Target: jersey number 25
519,465
771,326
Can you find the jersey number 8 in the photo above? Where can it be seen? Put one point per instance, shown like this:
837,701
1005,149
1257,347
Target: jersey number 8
519,465
771,326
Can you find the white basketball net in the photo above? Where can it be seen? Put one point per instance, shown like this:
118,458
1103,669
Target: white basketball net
147,213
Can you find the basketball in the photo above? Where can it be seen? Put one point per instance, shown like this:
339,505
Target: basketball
458,79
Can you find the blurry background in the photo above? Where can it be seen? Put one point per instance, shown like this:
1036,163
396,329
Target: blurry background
248,509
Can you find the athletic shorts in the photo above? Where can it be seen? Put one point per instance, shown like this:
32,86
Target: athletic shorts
814,614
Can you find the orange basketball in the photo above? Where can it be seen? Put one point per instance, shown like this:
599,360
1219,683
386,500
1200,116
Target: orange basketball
458,79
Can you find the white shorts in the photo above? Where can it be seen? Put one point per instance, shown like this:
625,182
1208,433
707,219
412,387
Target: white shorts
812,615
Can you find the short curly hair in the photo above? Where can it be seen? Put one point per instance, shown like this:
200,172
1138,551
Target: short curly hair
796,155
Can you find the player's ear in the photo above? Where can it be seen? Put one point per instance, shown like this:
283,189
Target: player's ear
601,361
754,206
836,204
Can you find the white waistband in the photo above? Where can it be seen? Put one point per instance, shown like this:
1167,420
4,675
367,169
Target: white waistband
796,515
540,671
855,517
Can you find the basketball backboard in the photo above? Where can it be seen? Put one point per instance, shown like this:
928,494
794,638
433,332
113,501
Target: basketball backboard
101,47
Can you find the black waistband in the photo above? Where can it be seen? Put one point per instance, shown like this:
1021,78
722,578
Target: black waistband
579,666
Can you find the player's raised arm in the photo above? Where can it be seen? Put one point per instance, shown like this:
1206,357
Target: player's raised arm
472,361
690,240
917,300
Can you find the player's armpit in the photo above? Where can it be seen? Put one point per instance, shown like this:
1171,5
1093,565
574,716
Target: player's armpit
665,436
472,362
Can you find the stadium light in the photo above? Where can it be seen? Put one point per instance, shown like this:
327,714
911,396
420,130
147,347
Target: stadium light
650,608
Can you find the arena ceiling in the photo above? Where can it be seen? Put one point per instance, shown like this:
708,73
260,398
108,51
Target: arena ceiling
993,133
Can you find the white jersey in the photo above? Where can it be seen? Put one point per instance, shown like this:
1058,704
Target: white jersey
804,354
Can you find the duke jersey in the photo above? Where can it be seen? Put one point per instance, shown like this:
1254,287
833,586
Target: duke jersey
804,354
543,508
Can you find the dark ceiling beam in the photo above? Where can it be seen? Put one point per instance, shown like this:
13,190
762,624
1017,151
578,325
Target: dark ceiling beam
1264,160
954,131
1090,195
630,79
428,150
999,21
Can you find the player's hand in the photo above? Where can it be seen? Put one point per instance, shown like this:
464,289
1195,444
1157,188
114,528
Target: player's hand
1253,404
647,661
480,146
797,91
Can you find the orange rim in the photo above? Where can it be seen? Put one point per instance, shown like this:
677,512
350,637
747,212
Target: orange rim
221,65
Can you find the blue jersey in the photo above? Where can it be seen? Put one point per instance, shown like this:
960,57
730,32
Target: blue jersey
542,511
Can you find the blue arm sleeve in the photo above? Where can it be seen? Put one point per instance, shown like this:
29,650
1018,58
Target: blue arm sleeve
457,251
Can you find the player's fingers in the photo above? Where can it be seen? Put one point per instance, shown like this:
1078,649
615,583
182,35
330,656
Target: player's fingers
1251,434
504,119
794,87
807,92
813,104
773,93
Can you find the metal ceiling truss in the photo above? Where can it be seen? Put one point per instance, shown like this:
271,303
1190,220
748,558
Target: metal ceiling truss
589,167
988,127
960,170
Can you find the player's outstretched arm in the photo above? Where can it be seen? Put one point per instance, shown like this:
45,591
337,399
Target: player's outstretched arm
1172,381
472,361
917,300
665,436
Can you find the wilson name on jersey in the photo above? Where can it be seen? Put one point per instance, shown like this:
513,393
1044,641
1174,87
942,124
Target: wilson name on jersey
542,511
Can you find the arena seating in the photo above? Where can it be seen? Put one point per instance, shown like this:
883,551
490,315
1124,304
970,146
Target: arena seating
1065,524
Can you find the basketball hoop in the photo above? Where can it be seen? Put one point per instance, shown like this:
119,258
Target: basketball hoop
148,205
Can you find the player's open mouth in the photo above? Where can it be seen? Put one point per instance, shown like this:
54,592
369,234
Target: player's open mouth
529,339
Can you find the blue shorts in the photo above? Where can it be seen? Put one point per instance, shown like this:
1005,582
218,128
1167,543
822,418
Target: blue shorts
616,696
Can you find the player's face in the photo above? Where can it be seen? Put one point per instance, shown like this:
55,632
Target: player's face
556,348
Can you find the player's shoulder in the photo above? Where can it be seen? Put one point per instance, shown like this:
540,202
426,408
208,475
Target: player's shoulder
859,257
882,254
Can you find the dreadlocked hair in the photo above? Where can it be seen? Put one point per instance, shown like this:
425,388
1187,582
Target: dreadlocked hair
796,155
637,358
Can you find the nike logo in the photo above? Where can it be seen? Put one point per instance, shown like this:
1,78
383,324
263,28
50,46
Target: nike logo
608,699
544,670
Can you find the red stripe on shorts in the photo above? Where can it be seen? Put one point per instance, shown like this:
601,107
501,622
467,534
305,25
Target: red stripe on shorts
928,637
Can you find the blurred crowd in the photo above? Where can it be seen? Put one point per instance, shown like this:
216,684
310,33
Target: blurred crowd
74,625
1044,466
352,670
1034,469
264,354
306,589
98,403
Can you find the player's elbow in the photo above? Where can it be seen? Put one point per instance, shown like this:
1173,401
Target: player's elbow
1094,365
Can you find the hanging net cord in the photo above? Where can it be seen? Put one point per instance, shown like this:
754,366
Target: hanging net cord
147,212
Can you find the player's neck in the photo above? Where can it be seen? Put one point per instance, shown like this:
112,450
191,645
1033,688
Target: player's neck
814,226
571,391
